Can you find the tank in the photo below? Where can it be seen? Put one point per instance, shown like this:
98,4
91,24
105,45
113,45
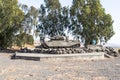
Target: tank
60,45
60,42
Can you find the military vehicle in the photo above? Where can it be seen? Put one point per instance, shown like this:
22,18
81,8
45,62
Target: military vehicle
60,42
60,45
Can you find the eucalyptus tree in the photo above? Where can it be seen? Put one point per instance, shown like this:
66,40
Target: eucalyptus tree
52,4
49,22
10,18
54,20
30,20
34,13
26,28
49,17
92,23
106,27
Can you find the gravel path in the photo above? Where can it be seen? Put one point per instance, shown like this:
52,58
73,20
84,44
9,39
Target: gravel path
108,69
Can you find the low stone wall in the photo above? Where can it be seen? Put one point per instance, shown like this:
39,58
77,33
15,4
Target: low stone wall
60,57
87,56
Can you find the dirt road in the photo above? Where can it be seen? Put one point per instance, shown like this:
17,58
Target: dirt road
108,69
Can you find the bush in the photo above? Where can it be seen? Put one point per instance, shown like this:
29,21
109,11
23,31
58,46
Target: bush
29,39
24,38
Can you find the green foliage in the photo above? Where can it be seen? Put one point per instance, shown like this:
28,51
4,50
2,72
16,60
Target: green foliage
10,18
30,19
92,23
30,39
52,4
7,38
24,38
53,21
85,18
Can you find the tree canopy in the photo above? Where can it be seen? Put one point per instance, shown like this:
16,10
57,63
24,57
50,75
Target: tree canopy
84,18
92,21
10,18
53,19
52,4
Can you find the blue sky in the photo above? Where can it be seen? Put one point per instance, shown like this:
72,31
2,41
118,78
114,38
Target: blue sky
111,7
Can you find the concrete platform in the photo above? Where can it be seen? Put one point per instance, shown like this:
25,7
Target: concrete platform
61,57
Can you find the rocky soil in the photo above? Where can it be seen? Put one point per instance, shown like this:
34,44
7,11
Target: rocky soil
108,69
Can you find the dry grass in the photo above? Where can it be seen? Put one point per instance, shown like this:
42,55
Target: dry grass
25,46
116,49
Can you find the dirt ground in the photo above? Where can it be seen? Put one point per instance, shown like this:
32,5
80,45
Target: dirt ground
108,69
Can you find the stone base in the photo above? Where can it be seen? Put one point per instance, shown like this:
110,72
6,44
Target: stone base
61,57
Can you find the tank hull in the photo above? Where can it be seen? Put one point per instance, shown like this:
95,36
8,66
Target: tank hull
62,44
